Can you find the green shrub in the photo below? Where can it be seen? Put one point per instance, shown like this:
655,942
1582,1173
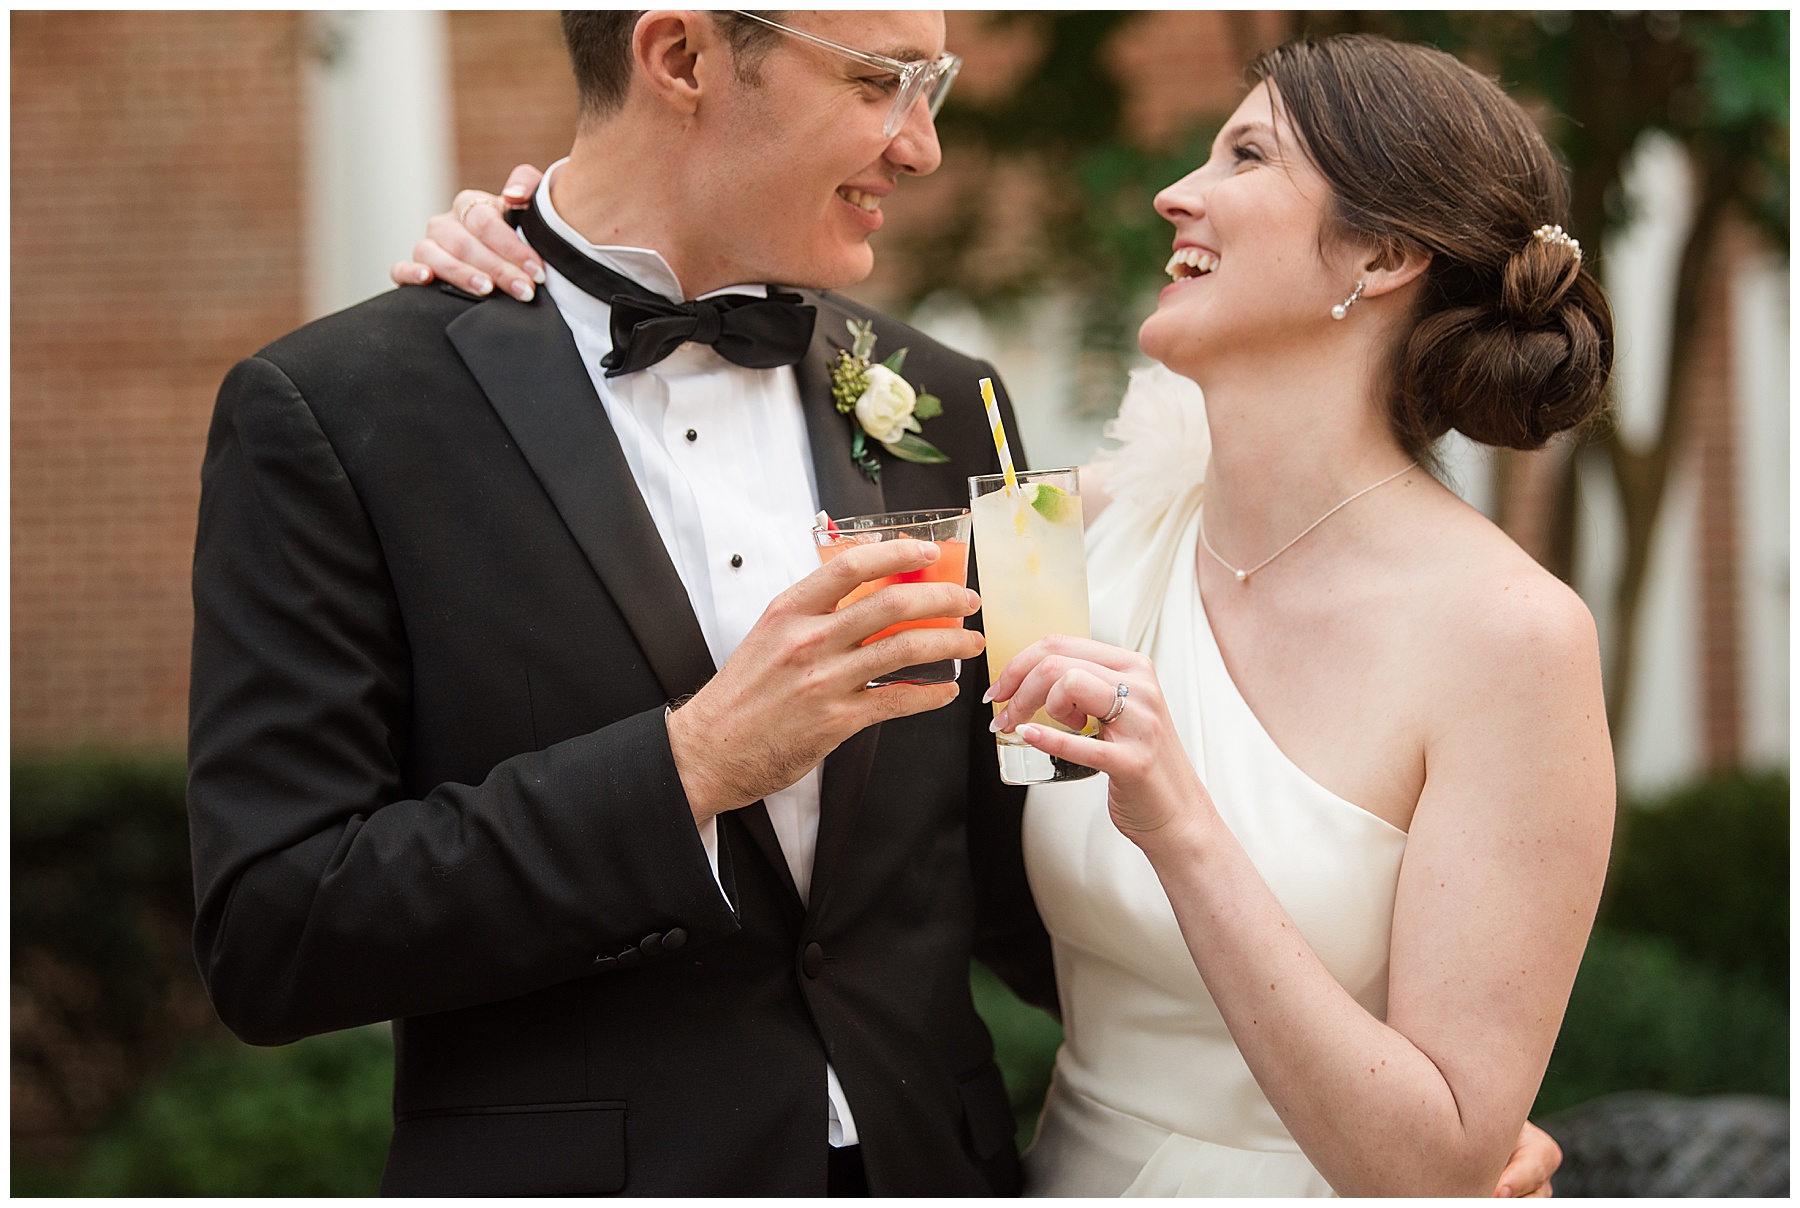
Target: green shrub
101,880
1642,1017
1707,868
1025,1043
104,988
312,1118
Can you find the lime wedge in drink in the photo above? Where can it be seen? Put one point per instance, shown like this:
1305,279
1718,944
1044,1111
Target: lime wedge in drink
1054,504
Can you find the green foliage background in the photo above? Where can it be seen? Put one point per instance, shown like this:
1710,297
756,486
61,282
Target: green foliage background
312,1118
1717,81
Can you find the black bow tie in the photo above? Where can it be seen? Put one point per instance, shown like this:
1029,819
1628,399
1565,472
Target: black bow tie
757,333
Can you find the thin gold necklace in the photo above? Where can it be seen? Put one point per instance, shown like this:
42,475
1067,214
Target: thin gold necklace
1242,575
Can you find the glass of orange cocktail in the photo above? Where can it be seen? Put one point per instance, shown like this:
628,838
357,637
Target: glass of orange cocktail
949,530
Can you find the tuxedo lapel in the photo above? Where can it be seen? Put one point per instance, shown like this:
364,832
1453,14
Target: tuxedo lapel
844,490
529,367
527,364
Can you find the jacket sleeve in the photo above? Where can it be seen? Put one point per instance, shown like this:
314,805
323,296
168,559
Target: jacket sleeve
327,898
1009,936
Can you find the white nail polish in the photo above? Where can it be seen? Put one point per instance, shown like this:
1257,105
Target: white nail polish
522,290
483,286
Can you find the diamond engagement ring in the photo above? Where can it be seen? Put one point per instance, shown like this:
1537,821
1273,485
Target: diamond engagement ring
1112,714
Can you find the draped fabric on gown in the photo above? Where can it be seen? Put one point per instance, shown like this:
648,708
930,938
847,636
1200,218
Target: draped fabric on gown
1150,1095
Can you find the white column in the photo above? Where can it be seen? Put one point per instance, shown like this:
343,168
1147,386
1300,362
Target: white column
1759,307
378,146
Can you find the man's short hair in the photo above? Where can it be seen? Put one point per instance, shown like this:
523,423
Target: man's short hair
599,42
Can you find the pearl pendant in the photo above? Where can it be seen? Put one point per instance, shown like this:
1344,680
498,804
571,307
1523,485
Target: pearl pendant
1338,311
1241,575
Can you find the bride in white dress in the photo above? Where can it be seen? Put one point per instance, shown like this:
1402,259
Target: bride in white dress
1317,930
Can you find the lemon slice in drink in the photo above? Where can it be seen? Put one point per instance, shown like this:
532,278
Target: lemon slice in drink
1053,503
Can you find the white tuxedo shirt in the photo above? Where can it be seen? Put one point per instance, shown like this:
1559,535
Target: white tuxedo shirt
721,458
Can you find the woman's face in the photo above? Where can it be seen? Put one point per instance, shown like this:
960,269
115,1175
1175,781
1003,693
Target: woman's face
1250,273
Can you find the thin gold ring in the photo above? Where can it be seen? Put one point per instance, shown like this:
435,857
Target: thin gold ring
1112,714
463,218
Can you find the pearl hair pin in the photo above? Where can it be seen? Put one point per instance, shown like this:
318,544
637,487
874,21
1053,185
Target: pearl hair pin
1553,233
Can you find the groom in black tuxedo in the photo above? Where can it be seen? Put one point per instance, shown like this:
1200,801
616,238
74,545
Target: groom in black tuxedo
518,719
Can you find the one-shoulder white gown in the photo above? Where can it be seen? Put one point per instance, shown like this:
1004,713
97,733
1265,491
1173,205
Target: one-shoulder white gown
1150,1095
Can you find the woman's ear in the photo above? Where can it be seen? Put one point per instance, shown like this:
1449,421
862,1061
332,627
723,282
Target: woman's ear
1393,265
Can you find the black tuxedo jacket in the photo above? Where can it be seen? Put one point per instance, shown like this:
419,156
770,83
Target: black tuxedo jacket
430,781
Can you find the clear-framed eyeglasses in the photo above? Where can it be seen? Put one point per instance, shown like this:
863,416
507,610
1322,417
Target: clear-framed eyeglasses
927,78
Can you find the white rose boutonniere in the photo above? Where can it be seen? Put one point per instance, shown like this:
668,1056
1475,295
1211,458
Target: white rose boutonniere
883,406
886,407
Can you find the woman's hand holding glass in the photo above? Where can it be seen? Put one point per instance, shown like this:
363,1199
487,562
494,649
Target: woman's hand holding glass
1156,798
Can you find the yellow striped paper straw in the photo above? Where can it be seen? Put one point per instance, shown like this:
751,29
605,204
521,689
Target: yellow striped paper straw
993,412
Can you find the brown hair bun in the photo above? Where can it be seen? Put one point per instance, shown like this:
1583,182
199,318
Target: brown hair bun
1512,341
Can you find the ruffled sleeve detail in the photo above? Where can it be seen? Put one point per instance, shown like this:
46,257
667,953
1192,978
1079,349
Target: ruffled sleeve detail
1164,444
1156,478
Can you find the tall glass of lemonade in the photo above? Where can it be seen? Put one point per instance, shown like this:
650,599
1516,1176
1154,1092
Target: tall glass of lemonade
1033,568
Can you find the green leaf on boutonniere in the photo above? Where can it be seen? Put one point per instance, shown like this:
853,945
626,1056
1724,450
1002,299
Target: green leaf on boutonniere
865,458
862,336
898,359
915,449
929,406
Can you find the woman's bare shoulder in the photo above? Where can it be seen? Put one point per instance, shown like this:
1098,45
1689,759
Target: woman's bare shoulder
1501,618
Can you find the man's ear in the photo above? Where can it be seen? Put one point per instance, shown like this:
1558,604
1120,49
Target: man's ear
1393,265
666,47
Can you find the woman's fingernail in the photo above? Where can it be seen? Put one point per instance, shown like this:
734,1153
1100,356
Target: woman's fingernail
987,698
522,290
536,270
515,191
1028,732
994,726
974,600
424,275
482,285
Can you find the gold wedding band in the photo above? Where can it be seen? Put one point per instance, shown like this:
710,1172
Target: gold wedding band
1113,713
463,218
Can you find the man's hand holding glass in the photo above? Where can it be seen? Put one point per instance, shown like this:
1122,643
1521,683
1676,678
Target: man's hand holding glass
796,687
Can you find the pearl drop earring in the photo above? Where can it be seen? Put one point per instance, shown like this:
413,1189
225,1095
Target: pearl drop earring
1343,308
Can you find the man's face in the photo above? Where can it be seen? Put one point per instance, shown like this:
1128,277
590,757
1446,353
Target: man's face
790,172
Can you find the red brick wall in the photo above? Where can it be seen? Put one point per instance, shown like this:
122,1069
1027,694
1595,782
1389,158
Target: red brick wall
1188,66
1713,440
514,94
156,239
